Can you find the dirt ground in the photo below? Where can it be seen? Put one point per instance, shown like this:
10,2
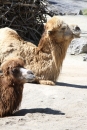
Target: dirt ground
59,107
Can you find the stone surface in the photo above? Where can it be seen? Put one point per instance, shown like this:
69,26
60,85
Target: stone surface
70,7
85,58
78,46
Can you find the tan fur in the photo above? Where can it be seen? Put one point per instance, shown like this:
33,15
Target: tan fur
45,60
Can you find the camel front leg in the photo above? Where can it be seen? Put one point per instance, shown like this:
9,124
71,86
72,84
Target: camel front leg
45,82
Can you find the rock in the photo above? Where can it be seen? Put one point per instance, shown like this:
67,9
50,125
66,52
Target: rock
78,46
80,12
68,7
70,13
85,58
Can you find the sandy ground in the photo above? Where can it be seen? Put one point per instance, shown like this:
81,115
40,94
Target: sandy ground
59,107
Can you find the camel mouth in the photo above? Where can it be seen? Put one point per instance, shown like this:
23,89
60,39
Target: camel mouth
77,34
27,75
30,78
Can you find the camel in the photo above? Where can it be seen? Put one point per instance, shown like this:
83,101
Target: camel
12,78
46,59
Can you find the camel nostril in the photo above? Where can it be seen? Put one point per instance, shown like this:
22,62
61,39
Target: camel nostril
30,72
77,28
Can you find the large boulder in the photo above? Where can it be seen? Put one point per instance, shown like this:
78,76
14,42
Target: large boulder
78,46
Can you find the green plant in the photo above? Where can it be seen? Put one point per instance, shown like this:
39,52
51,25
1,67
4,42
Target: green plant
84,12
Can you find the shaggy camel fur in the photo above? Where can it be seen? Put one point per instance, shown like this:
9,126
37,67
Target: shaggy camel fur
45,60
11,85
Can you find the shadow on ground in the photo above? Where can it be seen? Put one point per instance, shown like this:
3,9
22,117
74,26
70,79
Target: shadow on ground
71,85
23,112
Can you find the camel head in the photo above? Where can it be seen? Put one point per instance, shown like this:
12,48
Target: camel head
14,68
56,29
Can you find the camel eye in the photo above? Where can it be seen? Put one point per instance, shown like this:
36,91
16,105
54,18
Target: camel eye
63,28
14,70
